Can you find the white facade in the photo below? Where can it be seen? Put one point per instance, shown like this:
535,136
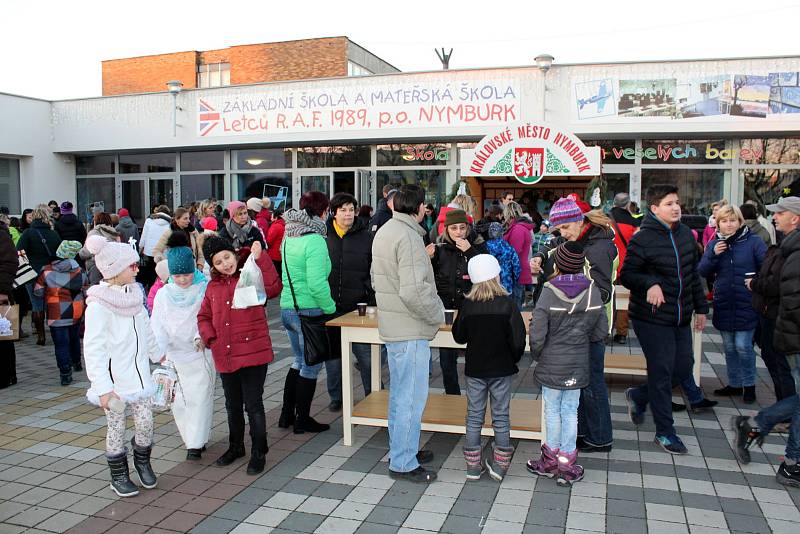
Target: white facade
45,136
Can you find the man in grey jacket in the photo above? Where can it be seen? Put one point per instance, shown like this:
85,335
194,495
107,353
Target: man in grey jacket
409,315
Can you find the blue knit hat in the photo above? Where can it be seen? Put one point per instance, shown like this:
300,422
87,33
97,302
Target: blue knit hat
180,260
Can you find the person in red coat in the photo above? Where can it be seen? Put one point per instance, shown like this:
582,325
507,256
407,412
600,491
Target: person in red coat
275,237
240,345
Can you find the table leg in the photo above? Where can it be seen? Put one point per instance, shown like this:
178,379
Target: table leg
375,367
347,387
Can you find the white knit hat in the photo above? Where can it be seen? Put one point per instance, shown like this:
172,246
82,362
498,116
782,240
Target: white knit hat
111,257
482,268
254,204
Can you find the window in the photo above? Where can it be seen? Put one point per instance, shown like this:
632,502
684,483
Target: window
697,188
9,185
263,158
406,155
685,152
139,163
94,164
616,151
432,180
354,69
333,156
213,75
197,187
93,190
766,186
275,185
203,161
770,151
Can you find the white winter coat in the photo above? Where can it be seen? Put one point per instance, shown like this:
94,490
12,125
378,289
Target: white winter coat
154,228
175,328
117,349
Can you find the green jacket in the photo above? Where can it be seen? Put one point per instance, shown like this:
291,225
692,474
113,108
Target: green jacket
306,258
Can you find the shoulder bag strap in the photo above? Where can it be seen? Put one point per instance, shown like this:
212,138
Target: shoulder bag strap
619,232
286,269
44,242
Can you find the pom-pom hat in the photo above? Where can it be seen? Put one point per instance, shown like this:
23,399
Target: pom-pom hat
565,210
482,268
214,245
254,204
111,257
209,223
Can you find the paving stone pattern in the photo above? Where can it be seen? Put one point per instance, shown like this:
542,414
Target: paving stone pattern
53,477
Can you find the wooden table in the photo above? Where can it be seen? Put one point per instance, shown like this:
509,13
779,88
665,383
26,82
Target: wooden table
447,413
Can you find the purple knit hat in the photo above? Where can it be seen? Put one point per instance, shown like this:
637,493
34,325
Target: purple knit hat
66,207
564,211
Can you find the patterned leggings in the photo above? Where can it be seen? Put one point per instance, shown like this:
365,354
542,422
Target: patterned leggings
143,423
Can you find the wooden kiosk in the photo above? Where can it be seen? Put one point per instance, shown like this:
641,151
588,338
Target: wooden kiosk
528,152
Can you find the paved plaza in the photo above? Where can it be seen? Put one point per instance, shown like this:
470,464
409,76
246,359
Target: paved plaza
53,477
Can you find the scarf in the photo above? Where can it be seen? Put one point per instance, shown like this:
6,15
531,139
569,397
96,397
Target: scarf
122,300
186,297
239,234
299,222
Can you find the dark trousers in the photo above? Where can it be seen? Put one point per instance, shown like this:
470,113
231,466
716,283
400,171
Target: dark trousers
594,412
775,361
147,272
787,409
245,387
277,264
448,361
668,351
8,364
67,343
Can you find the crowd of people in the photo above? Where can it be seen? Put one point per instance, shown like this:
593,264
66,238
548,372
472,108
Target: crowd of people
167,295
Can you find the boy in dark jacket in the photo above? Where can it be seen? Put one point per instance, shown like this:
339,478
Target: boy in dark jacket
68,226
568,317
491,326
660,271
63,286
449,256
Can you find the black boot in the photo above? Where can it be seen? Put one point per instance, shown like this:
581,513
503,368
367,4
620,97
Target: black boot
749,395
120,477
305,394
38,324
234,452
728,391
289,395
259,448
141,461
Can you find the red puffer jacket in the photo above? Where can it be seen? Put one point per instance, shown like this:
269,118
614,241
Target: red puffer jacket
238,338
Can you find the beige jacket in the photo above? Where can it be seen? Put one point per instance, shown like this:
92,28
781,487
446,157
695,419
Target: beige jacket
159,251
402,275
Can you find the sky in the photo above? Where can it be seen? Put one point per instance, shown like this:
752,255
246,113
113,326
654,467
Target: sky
53,49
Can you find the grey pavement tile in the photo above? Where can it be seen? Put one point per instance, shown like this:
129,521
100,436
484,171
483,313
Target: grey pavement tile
90,505
31,516
475,492
747,523
586,521
692,472
624,466
214,525
302,522
617,507
667,470
553,501
271,481
235,510
255,496
704,502
269,517
740,506
362,465
376,528
455,524
625,525
332,491
388,515
318,505
400,499
425,520
626,493
660,496
547,517
35,495
466,508
337,525
61,521
301,486
62,500
353,510
763,481
10,509
727,477
541,529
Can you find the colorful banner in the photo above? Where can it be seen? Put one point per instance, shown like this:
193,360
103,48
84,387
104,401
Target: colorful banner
370,104
530,151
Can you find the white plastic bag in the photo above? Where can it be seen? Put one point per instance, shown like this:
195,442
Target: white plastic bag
250,287
165,379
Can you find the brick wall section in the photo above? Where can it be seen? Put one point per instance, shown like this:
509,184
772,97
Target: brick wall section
268,62
149,73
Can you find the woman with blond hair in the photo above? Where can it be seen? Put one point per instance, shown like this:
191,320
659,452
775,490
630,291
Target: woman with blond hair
734,256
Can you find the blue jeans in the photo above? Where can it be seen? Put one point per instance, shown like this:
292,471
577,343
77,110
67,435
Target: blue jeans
408,371
37,303
740,358
333,369
594,412
519,295
291,322
67,343
783,410
693,392
561,418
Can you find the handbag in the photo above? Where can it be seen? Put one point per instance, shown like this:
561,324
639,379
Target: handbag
9,322
320,342
25,273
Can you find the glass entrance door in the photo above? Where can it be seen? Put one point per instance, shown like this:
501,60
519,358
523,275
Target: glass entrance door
141,194
316,181
619,181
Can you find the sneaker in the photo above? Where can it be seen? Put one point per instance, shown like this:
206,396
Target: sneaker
749,394
745,435
420,475
676,407
620,339
635,411
194,454
66,380
789,475
425,456
586,446
335,406
728,391
672,444
703,405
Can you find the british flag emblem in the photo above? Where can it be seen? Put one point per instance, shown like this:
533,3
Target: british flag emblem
207,117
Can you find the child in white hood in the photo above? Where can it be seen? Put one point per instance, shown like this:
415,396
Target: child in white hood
118,346
174,322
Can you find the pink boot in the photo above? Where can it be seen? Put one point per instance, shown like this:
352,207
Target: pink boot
546,465
568,471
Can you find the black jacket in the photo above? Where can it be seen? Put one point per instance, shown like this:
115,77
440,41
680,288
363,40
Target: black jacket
253,236
351,259
40,244
495,336
766,284
382,214
659,255
8,262
787,327
69,228
450,269
623,216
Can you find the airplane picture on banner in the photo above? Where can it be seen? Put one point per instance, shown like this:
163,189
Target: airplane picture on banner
529,151
595,99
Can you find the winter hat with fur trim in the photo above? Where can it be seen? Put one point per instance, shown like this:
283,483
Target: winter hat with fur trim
111,257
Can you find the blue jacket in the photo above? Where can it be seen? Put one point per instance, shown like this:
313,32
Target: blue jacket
509,262
733,308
